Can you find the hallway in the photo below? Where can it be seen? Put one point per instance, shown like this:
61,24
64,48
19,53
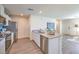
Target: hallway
24,46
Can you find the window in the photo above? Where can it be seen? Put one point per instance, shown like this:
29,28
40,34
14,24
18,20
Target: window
50,26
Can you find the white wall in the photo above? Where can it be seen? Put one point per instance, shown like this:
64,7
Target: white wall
70,23
23,26
39,22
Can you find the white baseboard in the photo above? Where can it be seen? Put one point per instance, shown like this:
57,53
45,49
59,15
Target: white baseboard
24,38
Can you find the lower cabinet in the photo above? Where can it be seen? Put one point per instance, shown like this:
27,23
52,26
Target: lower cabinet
2,46
36,38
55,46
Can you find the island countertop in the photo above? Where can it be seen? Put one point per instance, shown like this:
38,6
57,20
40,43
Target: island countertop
50,36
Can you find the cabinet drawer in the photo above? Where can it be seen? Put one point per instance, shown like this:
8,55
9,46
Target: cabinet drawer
37,41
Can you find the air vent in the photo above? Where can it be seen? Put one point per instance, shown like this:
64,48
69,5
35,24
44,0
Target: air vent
30,9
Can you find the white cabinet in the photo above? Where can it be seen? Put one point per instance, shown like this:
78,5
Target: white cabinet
55,46
2,46
36,37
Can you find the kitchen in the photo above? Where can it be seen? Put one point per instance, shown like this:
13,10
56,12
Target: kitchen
52,35
7,33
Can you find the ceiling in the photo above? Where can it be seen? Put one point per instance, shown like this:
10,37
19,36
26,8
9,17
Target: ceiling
49,10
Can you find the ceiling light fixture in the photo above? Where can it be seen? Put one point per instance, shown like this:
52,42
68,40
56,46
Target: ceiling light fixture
21,14
40,12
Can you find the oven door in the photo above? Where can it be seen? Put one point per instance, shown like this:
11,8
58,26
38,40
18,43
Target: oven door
7,43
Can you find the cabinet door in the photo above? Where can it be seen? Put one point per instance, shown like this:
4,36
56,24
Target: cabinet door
54,46
36,38
2,46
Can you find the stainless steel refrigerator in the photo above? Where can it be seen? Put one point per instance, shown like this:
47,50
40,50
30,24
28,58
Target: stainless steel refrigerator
13,27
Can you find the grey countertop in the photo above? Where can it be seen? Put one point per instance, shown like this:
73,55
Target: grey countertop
58,35
50,36
45,34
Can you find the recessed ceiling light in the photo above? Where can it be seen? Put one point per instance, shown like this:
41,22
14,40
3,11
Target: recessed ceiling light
21,14
40,11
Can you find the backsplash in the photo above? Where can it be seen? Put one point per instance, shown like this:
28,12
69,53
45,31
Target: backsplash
2,27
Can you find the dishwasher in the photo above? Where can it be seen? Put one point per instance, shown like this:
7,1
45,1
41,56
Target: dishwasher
7,43
44,44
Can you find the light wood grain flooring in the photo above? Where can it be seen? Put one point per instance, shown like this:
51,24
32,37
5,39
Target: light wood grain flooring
25,46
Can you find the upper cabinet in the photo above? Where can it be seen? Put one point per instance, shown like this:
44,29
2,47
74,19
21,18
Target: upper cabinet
3,14
1,10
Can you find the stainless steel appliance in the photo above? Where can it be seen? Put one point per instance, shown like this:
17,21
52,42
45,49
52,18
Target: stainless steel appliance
44,44
12,27
2,20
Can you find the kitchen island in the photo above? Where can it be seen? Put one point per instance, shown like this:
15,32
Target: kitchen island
51,44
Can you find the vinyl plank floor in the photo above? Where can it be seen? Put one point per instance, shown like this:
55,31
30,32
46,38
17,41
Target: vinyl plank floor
24,46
